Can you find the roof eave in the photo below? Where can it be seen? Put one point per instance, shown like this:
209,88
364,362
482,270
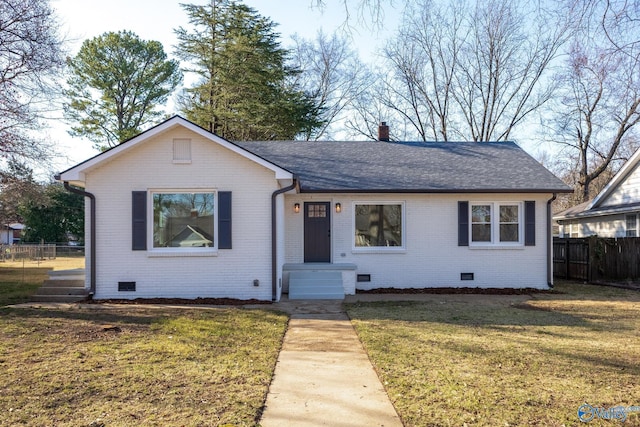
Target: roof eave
598,213
437,191
618,178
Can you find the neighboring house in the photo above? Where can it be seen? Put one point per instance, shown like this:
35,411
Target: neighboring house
614,212
11,234
272,217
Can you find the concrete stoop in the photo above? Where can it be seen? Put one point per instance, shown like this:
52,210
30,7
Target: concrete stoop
62,286
315,285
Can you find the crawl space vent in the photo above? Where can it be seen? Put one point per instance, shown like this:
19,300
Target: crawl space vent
126,286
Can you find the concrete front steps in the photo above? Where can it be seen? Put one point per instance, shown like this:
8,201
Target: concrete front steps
315,285
62,286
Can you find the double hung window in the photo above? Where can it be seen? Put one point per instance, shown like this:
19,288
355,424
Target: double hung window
631,226
496,223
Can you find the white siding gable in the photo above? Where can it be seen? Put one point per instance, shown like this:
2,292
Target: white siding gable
627,192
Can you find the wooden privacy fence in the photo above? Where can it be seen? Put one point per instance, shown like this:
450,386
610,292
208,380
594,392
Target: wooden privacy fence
595,259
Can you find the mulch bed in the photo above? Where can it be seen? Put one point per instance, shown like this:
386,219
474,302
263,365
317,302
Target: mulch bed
178,301
232,301
480,291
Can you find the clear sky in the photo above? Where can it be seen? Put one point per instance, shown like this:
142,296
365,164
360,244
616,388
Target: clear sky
156,20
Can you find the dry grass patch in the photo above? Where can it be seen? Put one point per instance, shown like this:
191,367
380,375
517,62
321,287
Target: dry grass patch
506,361
123,366
20,279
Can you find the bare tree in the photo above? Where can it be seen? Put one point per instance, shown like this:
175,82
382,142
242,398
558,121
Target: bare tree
597,115
332,75
472,73
424,61
17,187
366,112
30,55
364,11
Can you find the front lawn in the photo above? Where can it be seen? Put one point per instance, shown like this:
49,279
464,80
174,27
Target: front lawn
478,360
123,366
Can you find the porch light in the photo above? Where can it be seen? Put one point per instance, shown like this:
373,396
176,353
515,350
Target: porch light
296,208
338,208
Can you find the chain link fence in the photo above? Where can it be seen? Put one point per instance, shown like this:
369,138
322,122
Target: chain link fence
41,251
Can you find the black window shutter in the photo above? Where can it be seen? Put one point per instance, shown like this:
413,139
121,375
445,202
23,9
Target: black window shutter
139,221
530,223
224,219
463,223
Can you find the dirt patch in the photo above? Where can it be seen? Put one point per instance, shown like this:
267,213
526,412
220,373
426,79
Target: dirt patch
466,291
530,307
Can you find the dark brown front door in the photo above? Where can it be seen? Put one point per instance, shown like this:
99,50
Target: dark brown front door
317,232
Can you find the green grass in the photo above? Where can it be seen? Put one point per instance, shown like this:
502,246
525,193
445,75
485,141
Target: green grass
161,367
481,360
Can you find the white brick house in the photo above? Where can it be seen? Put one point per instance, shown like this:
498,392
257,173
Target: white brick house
180,212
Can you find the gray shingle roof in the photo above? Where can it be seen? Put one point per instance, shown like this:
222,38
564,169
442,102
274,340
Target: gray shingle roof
409,166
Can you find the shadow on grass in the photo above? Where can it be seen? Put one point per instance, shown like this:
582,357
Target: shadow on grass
464,314
587,329
93,316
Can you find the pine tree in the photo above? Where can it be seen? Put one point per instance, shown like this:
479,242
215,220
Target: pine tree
245,89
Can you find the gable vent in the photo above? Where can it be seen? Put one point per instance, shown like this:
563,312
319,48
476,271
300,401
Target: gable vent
181,151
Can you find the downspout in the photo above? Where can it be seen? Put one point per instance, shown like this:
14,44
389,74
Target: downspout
274,238
549,243
92,233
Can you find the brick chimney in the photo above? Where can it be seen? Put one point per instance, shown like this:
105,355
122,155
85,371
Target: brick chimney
383,132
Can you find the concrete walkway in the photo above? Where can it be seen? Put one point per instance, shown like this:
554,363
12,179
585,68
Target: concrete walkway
323,376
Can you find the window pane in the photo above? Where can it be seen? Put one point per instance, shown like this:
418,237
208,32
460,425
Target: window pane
481,223
509,232
509,223
183,220
509,213
378,225
481,232
481,213
316,211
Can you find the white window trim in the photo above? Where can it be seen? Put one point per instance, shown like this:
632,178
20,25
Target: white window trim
181,252
495,225
378,249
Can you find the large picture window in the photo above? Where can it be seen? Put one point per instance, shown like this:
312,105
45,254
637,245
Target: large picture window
378,225
184,219
496,223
